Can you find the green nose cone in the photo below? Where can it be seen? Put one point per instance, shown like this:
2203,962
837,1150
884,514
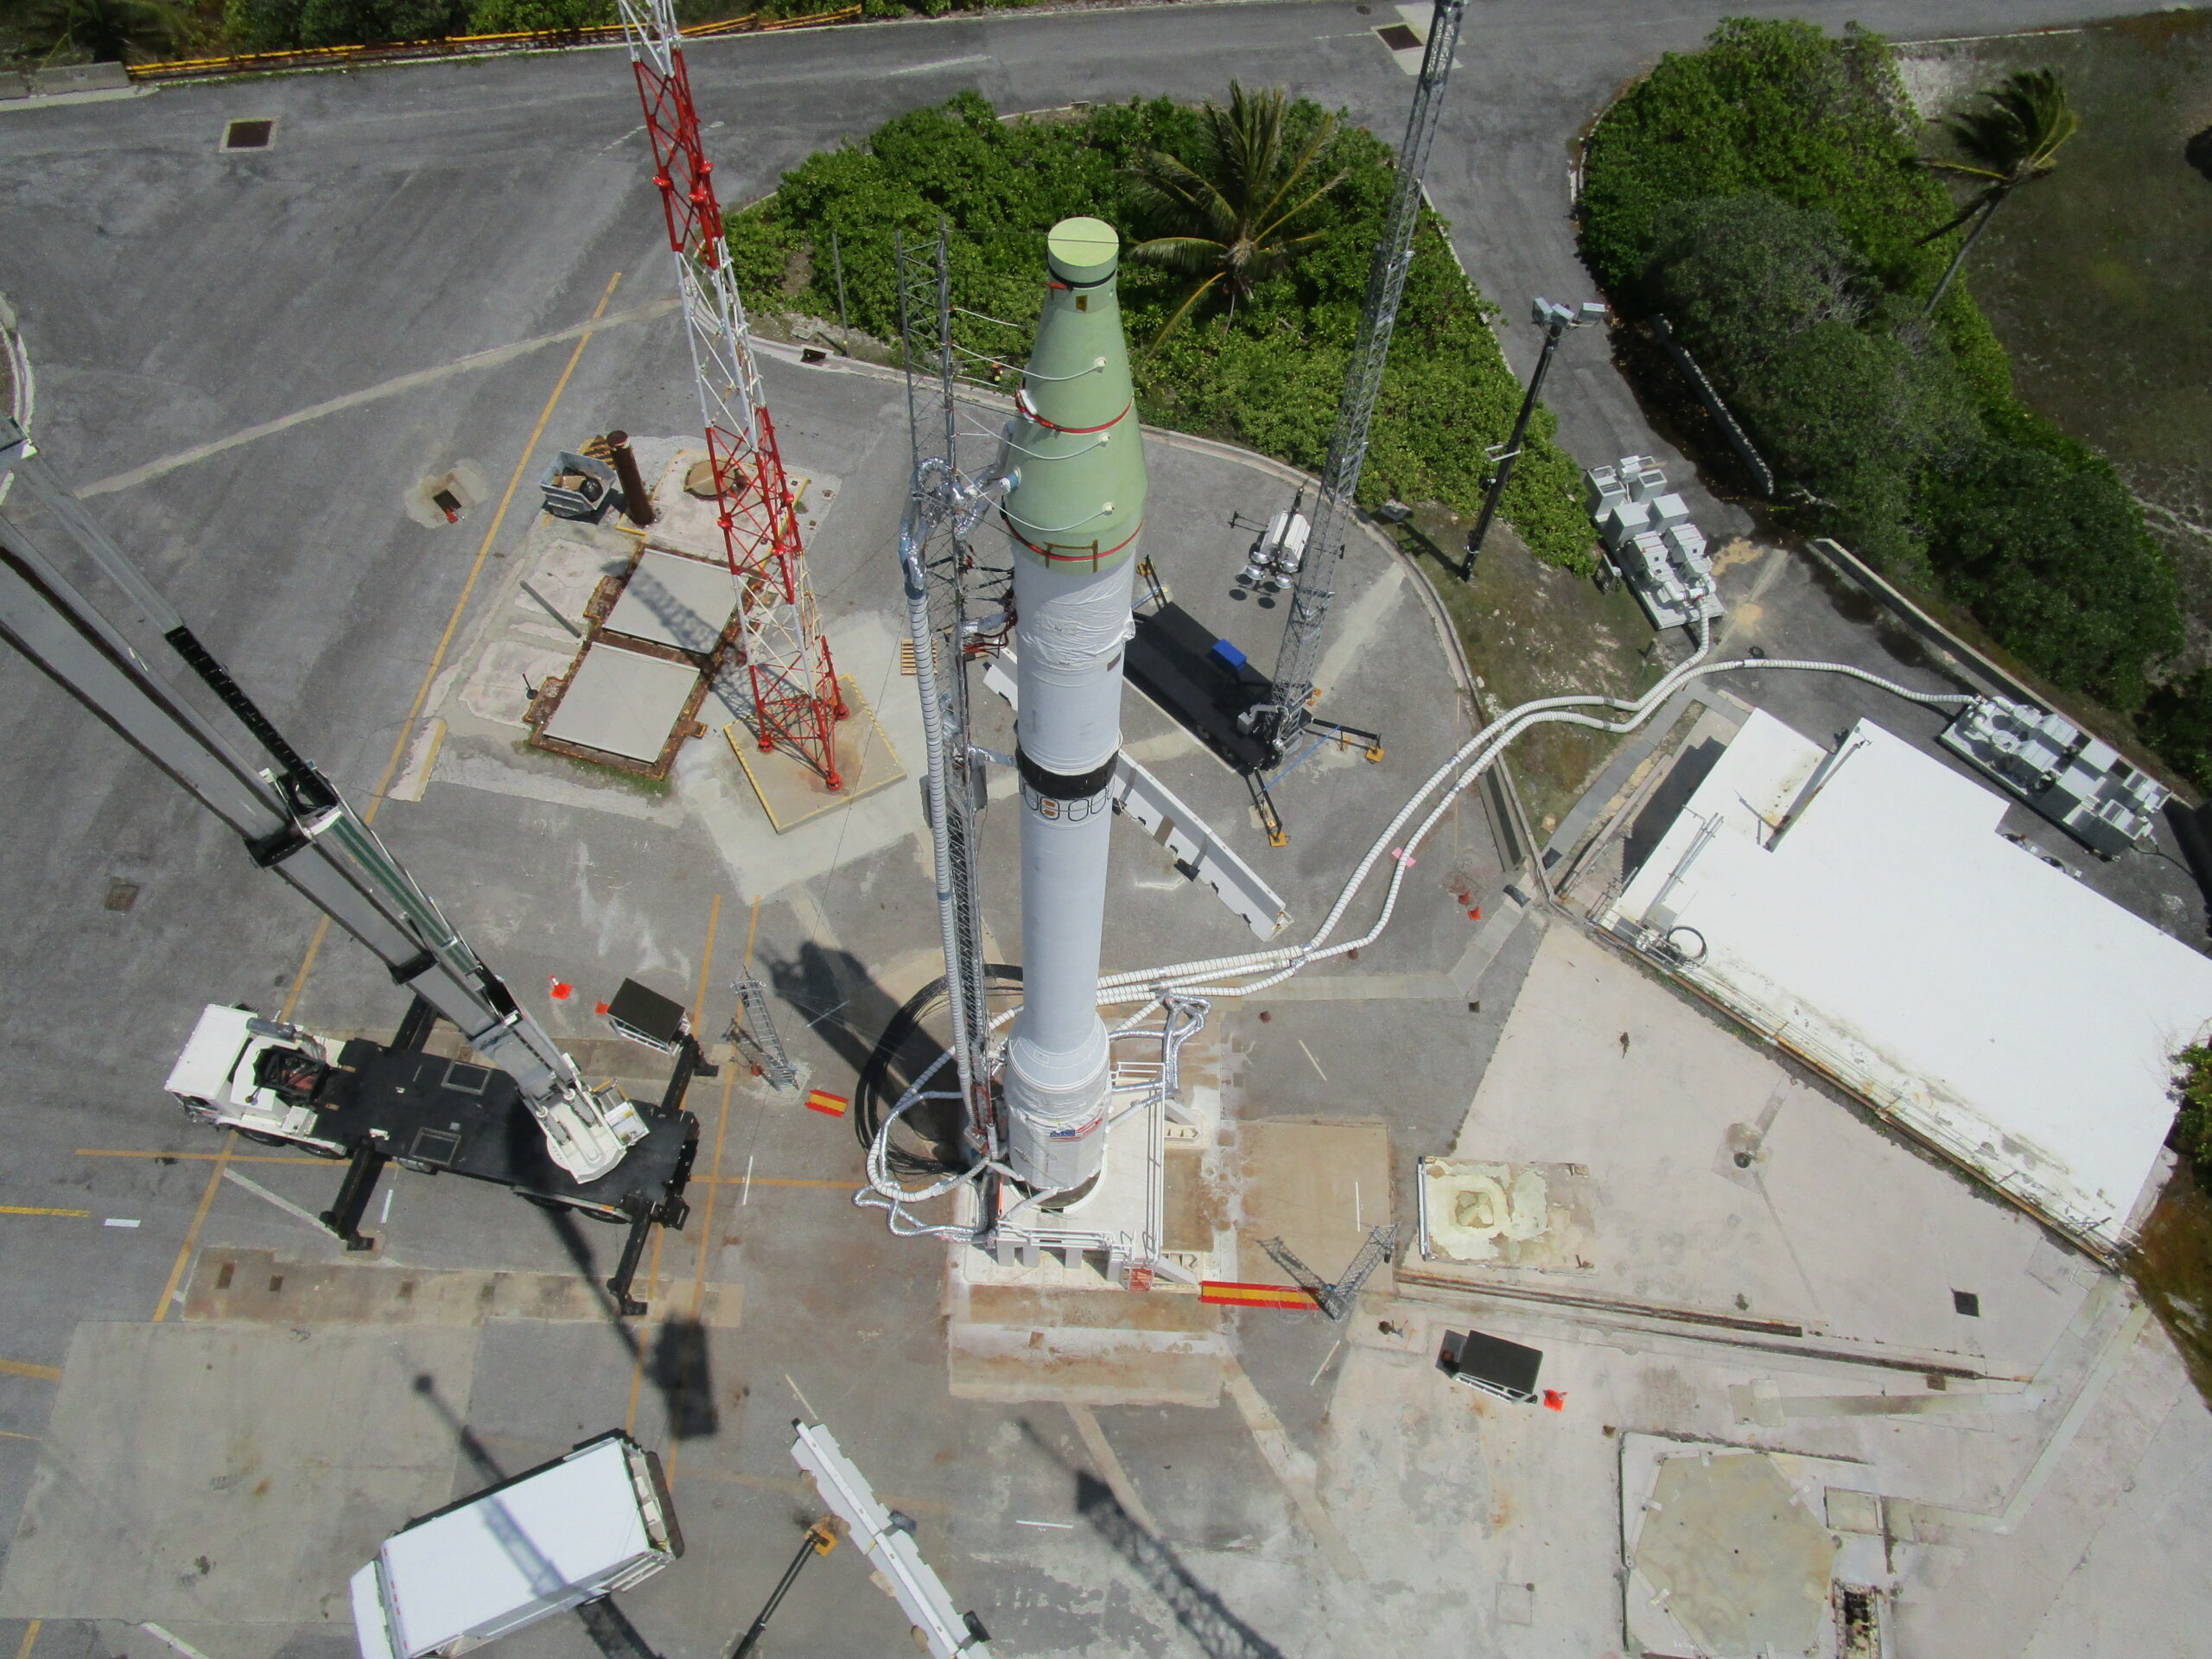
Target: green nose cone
1077,446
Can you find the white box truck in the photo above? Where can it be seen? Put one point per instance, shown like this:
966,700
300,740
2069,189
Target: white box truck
595,1522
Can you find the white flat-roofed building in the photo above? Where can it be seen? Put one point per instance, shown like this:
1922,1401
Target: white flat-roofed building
1860,907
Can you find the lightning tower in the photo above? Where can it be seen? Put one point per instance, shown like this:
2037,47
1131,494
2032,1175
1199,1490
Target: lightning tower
791,679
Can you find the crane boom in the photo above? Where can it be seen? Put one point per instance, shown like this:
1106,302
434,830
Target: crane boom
1281,720
291,819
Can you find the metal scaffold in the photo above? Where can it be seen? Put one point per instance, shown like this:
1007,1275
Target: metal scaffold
791,679
940,568
1280,720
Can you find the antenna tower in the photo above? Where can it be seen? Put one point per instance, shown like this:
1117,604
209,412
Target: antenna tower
793,680
1288,714
939,568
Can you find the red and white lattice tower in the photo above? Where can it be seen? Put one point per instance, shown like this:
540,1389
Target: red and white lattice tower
794,683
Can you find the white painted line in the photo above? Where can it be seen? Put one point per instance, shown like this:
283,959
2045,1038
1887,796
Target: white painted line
120,1220
1359,1222
1315,1064
176,1641
745,1197
386,1213
802,1398
1056,1526
1324,1366
267,1196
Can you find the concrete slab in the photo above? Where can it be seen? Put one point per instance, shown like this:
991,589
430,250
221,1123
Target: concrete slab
1827,1223
231,1474
790,791
1317,1185
621,703
674,600
1726,1557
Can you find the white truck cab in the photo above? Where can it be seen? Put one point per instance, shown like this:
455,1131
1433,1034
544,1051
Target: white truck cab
569,1532
240,1071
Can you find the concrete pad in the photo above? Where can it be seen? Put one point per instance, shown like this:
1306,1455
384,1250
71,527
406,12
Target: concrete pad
231,1474
1726,1561
790,791
619,703
674,600
1317,1186
500,686
263,1288
1115,1377
570,563
1827,1223
1106,1310
1516,1215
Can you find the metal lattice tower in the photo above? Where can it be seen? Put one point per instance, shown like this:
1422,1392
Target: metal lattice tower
790,676
757,1021
1299,658
939,567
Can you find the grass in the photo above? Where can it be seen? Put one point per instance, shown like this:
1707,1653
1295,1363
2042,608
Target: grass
1530,630
2095,279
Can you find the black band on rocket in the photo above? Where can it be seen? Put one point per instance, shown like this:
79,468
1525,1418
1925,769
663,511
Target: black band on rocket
1063,785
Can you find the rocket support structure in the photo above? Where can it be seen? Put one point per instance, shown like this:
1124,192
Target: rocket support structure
1075,512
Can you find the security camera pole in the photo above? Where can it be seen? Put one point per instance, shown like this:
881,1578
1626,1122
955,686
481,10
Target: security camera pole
1555,321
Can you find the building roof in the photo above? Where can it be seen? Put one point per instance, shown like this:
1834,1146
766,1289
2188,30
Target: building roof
1862,908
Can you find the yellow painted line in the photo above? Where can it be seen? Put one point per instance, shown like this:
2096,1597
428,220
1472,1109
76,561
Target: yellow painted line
10,1434
30,1636
391,765
846,1185
17,1368
31,1209
453,622
199,1220
203,1157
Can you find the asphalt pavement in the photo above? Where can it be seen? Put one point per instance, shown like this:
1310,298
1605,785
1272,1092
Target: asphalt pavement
247,362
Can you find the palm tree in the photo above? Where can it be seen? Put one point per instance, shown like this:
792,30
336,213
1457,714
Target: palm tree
2009,143
1238,203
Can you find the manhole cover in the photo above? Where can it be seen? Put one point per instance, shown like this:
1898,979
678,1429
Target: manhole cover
1398,37
249,135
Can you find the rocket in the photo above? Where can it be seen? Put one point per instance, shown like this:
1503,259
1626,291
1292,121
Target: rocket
1075,512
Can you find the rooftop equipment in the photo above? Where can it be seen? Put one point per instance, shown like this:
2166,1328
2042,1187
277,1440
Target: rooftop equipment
2080,783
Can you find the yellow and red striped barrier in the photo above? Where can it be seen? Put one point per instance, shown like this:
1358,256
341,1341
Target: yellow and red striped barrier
1225,1293
244,63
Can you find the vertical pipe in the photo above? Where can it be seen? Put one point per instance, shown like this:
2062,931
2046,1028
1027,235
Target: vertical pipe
635,501
1074,511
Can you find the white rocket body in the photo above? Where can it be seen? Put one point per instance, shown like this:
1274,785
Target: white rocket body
1075,513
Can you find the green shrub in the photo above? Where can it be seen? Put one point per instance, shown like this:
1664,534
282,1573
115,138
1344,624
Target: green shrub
2176,721
286,25
533,16
1764,194
2055,562
2192,1091
1266,374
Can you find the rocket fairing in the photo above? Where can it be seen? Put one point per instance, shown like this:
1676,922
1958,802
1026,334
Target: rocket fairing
1075,512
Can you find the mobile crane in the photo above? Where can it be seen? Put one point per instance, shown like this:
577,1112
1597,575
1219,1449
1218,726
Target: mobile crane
593,1151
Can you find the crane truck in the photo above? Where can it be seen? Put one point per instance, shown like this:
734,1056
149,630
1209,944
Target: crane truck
593,1151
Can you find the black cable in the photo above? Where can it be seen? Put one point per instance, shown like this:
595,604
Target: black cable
874,1097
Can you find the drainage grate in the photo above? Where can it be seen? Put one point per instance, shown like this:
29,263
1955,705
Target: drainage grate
120,894
1398,37
248,134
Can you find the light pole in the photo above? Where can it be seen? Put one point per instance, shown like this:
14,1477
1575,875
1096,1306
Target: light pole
1555,321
